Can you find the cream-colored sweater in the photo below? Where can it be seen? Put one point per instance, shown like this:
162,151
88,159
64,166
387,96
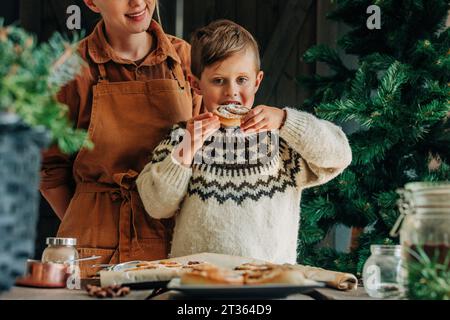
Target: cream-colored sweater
245,201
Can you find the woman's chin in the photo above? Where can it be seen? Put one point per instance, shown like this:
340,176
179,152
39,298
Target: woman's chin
139,29
139,25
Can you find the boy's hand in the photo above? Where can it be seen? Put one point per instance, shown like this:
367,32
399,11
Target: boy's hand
263,118
198,130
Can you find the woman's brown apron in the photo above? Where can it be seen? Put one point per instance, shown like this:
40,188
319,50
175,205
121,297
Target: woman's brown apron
106,215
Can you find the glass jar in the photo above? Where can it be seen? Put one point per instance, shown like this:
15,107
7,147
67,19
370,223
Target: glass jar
425,233
426,224
60,250
382,272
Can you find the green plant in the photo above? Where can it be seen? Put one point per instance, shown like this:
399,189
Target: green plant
31,75
428,278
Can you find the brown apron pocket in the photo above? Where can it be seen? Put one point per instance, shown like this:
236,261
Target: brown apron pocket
86,269
149,249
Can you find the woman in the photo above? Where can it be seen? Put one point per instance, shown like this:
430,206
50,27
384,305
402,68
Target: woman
133,89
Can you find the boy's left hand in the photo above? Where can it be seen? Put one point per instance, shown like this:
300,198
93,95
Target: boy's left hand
263,118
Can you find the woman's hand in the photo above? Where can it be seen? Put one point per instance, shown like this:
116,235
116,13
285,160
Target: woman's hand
263,118
198,130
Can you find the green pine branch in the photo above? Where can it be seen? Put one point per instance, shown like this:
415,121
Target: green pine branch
30,77
428,277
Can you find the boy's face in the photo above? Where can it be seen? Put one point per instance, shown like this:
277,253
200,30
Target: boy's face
231,81
124,16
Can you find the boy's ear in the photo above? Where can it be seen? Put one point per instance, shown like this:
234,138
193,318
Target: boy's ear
91,4
259,78
195,84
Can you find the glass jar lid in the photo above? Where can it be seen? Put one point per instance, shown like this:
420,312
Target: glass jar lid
394,250
427,194
423,186
423,198
61,241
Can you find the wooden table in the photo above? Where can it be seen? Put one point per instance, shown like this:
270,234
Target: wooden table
226,261
23,293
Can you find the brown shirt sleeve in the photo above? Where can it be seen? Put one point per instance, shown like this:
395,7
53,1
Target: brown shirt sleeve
57,166
56,169
184,52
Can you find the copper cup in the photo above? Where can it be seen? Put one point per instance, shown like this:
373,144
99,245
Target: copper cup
44,275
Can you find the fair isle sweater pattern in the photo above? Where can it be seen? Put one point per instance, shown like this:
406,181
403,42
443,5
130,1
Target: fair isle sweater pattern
237,188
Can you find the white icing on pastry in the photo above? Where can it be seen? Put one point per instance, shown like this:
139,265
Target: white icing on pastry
232,111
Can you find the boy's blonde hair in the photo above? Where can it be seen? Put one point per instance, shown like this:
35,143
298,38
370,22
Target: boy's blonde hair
218,41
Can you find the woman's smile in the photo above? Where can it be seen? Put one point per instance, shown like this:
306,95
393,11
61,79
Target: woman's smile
137,16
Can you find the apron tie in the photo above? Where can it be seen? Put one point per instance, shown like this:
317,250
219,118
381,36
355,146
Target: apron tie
127,220
125,191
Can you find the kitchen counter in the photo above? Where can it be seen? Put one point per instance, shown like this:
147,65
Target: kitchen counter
225,261
24,293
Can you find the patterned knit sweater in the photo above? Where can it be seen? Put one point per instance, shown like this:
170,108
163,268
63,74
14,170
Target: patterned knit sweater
242,194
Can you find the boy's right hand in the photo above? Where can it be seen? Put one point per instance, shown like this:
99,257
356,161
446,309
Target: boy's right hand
198,130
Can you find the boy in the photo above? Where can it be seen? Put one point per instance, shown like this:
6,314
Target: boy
246,203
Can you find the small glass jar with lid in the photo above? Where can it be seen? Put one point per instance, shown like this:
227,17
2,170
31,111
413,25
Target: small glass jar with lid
383,272
60,250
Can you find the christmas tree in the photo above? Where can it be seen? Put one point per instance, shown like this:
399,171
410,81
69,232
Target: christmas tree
398,96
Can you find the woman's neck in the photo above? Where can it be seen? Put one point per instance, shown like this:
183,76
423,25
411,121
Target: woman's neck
132,47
